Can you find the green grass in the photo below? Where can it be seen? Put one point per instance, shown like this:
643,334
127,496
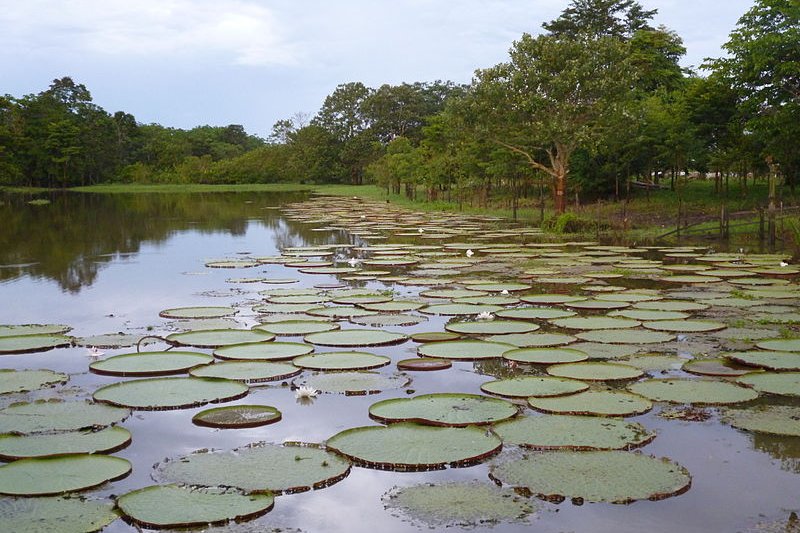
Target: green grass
23,190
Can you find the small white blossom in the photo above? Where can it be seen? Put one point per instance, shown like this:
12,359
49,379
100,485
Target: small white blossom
353,262
504,292
95,352
470,253
784,264
485,315
305,392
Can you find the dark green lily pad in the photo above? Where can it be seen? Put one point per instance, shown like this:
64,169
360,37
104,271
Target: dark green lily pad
650,315
395,306
489,327
550,298
162,506
435,336
58,415
534,313
246,371
597,305
526,386
354,383
273,308
197,312
32,343
626,336
595,322
424,364
170,393
716,367
9,330
28,380
214,338
782,384
258,468
671,305
545,356
771,419
459,309
341,361
385,320
598,350
55,513
684,326
451,293
55,475
549,432
655,362
693,391
463,350
594,371
530,340
409,447
443,409
768,360
149,363
107,440
594,403
599,476
347,338
780,345
237,416
263,351
290,328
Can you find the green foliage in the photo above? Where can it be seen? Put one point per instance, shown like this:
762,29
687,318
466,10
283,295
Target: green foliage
568,223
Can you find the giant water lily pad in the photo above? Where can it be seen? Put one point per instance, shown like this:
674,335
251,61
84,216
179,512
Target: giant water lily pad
55,513
650,315
354,382
424,364
681,306
28,380
355,337
489,327
595,322
57,415
175,506
599,350
626,336
112,340
434,336
170,393
525,386
595,371
395,306
443,409
197,312
464,350
215,338
772,419
545,356
237,416
55,475
32,343
463,505
408,446
341,361
388,319
782,384
573,432
258,468
694,391
522,340
149,363
684,326
594,403
290,328
264,351
717,367
8,330
534,313
104,441
781,345
599,476
768,360
247,371
459,309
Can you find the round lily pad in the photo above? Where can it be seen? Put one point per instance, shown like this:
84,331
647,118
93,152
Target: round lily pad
596,476
341,361
489,327
534,313
258,468
545,356
684,326
58,415
649,315
594,371
112,340
434,336
443,409
598,322
550,298
424,364
7,330
598,350
671,305
290,328
767,359
408,446
55,475
655,362
693,391
354,383
459,309
264,351
247,371
28,380
55,513
237,416
214,338
594,403
32,343
626,336
782,384
451,293
716,367
197,312
597,305
162,506
170,393
389,319
772,419
355,337
781,345
573,432
395,306
463,350
149,363
541,386
107,440
533,339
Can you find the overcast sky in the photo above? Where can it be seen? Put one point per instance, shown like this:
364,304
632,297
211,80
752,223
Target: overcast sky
184,63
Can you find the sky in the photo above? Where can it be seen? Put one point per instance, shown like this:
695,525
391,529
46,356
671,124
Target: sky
183,63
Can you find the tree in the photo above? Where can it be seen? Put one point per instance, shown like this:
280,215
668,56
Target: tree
620,19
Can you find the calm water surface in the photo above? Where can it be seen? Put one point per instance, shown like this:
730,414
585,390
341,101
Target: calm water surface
110,263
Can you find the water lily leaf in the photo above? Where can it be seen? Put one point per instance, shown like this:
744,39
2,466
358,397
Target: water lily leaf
626,336
32,343
408,446
162,506
541,386
355,337
258,468
599,476
594,371
9,330
782,384
424,364
434,336
716,367
550,298
597,305
499,287
781,345
671,305
463,350
644,314
28,380
111,340
170,393
354,383
395,306
149,363
598,350
264,351
684,326
767,359
55,513
549,432
693,391
104,441
772,419
488,327
237,416
443,409
246,371
545,356
534,313
291,328
452,293
58,415
298,299
385,320
55,475
594,403
214,338
524,340
197,312
341,361
595,322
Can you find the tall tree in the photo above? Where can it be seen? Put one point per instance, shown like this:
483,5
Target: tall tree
601,18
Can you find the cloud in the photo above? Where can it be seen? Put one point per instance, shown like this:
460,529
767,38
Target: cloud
240,32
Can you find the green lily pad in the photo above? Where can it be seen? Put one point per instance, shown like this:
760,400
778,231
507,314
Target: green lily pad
597,305
58,415
289,328
263,351
545,356
277,308
499,287
112,340
451,293
767,359
55,475
32,343
385,320
782,384
550,432
716,367
107,440
526,340
340,311
246,371
434,336
595,322
463,350
55,513
684,326
598,350
459,309
197,312
258,468
341,361
526,386
410,447
347,338
395,306
644,314
655,362
693,391
594,371
594,403
780,345
354,383
771,419
534,313
170,393
237,416
550,298
149,363
162,506
626,336
745,334
443,409
298,299
489,327
28,380
214,338
671,305
9,330
424,364
598,476
487,300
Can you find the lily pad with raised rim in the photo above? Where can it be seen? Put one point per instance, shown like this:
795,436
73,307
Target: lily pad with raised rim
541,386
491,327
550,432
434,336
424,364
263,351
769,360
459,309
290,328
28,380
9,330
107,440
781,384
596,322
152,394
55,475
693,391
197,312
464,350
341,361
545,356
771,419
58,415
626,336
237,416
717,367
443,409
534,313
684,326
354,383
347,338
595,371
532,340
149,363
388,320
15,344
780,345
55,513
594,403
246,371
215,338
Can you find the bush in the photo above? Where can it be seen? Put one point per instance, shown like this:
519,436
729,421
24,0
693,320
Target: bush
568,223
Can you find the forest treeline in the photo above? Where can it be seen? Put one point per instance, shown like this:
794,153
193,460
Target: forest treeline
595,101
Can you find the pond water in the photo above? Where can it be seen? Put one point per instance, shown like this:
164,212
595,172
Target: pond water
104,264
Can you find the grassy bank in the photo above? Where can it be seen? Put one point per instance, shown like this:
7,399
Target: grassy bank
131,188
